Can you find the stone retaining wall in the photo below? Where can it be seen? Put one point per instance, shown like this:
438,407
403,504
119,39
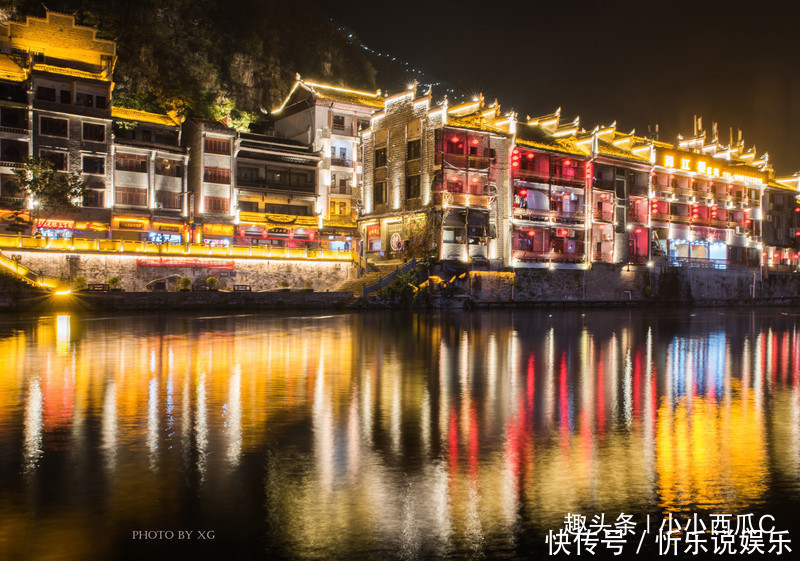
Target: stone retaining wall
260,274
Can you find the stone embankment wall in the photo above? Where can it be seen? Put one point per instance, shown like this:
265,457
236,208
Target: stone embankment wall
606,283
259,274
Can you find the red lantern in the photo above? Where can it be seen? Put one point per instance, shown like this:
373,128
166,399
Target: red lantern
523,193
530,157
638,230
531,233
475,141
454,139
603,196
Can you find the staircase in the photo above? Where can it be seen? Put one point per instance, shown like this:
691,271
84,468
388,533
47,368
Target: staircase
356,286
26,275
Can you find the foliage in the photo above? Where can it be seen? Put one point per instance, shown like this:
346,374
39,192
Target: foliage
420,233
284,284
212,283
184,283
308,285
114,282
179,54
79,283
399,286
51,191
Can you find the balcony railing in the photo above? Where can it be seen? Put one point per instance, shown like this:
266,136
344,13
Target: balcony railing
264,184
548,256
460,199
604,256
577,217
606,215
15,130
341,190
342,162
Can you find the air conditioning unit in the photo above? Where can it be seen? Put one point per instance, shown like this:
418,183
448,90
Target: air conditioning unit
159,205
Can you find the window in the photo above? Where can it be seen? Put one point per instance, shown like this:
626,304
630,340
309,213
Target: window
66,97
380,157
217,204
168,199
100,101
94,164
45,94
217,175
58,159
95,133
94,199
131,162
413,149
379,193
53,127
248,206
363,124
218,146
296,210
338,123
170,168
412,187
131,196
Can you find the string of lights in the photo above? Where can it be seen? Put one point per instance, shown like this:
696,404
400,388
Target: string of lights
419,75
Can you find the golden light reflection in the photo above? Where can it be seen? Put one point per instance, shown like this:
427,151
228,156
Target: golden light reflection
433,436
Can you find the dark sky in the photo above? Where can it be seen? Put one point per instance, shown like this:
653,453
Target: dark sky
639,63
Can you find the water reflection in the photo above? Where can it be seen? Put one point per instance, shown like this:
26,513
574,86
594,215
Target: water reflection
364,436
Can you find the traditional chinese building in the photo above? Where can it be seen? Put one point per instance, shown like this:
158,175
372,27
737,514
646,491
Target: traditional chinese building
149,178
705,202
277,192
330,118
550,182
55,91
431,179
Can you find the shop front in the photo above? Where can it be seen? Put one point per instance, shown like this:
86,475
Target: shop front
132,228
217,235
55,229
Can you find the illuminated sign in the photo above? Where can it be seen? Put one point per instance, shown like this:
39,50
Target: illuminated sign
373,231
186,263
56,224
708,166
218,229
168,227
130,225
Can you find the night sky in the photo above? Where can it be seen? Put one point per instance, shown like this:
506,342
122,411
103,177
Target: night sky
639,63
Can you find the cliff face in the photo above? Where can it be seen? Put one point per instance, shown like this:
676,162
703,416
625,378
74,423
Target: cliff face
195,54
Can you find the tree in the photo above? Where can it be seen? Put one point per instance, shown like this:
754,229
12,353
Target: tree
48,191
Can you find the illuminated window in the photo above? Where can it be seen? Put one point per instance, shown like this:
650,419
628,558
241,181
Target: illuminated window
338,123
170,168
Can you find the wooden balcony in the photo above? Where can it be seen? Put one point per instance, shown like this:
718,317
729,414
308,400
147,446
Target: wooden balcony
460,199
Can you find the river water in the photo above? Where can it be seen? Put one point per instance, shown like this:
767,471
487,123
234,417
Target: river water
483,435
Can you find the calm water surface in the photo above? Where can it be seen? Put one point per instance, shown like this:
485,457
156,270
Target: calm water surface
379,436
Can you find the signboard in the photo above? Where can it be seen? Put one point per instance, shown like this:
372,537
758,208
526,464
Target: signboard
131,225
56,224
218,229
168,227
706,165
176,263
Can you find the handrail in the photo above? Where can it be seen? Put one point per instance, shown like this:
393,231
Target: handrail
388,279
26,275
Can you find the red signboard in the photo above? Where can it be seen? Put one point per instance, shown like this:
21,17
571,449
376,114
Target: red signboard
373,230
177,263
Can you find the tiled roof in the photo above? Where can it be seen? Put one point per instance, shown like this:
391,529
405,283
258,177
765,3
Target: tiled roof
10,70
71,72
779,185
141,116
474,121
608,149
536,137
